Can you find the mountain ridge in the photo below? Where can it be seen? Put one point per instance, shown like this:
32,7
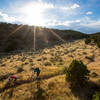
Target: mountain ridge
16,37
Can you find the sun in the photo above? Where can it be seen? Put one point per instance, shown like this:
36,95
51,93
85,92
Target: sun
33,14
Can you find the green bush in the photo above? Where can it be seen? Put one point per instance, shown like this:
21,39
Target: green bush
87,41
77,73
98,42
51,85
96,96
20,69
47,64
95,39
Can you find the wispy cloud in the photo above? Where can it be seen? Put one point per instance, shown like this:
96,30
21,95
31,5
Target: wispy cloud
89,13
88,22
84,24
4,17
68,7
75,6
67,23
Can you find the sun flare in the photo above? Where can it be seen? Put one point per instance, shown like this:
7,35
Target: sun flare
33,14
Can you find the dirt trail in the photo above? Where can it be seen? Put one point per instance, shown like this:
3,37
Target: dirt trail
6,87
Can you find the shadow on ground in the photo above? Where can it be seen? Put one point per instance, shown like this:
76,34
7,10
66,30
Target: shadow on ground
8,94
39,94
86,92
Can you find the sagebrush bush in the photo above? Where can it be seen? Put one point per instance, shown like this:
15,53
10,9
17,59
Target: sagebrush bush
96,96
47,64
56,59
89,58
95,39
77,73
20,69
87,41
51,85
98,43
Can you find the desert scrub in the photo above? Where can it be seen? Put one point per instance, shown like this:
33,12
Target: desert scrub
93,74
89,58
44,58
59,98
56,59
30,60
64,69
40,94
25,63
77,73
85,53
3,65
60,63
4,76
71,56
47,64
94,39
96,96
39,59
98,43
20,69
88,40
51,85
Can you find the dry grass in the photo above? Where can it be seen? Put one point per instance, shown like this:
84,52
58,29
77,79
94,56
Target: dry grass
52,84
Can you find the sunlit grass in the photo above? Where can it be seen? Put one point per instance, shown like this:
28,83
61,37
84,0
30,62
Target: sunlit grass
52,81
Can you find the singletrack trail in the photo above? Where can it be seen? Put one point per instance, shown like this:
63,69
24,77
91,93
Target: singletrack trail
20,82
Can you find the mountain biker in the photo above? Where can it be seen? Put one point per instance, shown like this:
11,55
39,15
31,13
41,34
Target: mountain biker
13,78
37,71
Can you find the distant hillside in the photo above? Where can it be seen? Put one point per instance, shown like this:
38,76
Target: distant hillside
17,37
94,39
96,34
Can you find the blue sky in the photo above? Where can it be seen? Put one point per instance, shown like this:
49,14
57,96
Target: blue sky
81,15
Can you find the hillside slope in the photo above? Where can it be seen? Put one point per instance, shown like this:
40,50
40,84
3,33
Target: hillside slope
52,63
17,37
